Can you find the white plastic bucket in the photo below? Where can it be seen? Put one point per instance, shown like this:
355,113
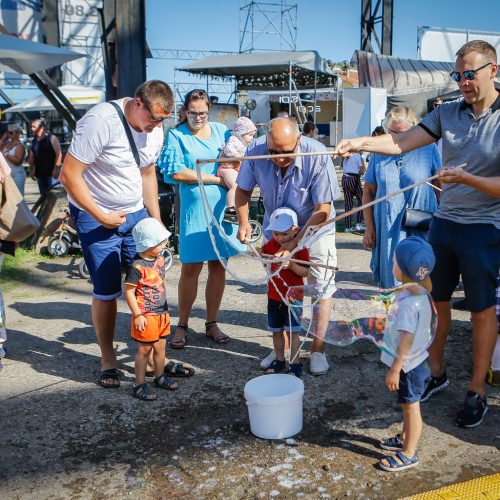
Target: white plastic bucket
275,405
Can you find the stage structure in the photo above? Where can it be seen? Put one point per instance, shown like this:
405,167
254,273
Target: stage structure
372,15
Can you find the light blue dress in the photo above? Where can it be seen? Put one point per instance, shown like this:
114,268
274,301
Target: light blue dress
181,151
390,174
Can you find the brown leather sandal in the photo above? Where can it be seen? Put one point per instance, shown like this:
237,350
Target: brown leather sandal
180,343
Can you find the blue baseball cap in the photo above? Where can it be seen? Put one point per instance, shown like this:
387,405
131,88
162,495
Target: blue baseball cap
416,260
148,233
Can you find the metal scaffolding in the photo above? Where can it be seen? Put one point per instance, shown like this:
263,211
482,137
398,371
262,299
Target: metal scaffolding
263,24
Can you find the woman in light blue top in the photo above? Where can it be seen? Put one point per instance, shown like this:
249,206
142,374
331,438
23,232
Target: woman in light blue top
197,138
388,174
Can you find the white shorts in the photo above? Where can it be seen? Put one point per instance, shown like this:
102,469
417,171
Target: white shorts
323,251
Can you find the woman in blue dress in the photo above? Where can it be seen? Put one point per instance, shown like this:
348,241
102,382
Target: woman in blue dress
197,138
388,174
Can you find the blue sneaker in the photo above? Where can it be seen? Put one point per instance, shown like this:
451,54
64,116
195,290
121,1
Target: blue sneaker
473,411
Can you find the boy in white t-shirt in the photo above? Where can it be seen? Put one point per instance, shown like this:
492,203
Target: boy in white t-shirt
408,374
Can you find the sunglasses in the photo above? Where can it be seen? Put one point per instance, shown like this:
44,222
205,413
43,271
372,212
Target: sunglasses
154,118
283,151
470,74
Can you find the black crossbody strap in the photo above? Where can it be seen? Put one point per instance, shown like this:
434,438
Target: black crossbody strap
126,126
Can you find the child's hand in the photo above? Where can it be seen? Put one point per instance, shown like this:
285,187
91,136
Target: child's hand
140,323
392,380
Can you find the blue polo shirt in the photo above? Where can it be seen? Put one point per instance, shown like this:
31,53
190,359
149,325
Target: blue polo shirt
475,141
309,180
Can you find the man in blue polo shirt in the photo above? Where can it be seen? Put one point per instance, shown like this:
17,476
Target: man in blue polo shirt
465,232
307,185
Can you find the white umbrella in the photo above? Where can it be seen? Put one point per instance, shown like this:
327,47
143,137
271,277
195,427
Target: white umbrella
78,95
26,57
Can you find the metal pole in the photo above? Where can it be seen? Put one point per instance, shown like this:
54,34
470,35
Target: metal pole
290,88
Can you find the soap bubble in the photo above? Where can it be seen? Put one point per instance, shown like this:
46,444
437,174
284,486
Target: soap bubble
364,312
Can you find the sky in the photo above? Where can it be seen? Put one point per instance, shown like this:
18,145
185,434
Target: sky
332,27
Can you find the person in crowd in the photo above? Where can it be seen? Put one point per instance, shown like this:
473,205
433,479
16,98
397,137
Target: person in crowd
385,224
352,170
14,152
146,296
469,211
6,247
283,224
309,130
308,185
242,135
409,374
198,138
45,156
494,371
111,185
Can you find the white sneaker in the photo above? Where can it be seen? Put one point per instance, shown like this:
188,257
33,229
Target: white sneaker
349,230
360,227
266,362
318,364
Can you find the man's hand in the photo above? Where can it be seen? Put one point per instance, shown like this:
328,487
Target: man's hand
346,147
140,323
369,238
452,174
244,232
113,220
392,380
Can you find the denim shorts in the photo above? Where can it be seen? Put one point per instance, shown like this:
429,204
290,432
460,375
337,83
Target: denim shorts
468,250
412,384
106,250
278,318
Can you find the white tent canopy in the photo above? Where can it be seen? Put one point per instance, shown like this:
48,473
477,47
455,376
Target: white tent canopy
26,57
79,96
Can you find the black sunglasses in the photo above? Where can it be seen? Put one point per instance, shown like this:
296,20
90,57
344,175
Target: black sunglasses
154,118
469,74
282,151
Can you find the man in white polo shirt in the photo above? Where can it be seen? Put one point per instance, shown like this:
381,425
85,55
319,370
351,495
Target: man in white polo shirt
109,175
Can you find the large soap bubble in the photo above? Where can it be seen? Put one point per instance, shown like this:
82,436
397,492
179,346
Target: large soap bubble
364,312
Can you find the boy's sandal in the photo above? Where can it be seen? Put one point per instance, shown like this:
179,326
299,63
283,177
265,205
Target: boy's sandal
178,369
295,369
276,366
180,343
392,444
109,374
221,338
403,463
143,392
165,383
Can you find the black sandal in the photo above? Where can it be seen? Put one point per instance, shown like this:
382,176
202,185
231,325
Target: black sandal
143,392
109,374
165,383
276,366
179,344
221,339
177,369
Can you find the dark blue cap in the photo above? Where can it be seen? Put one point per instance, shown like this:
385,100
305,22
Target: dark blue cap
415,258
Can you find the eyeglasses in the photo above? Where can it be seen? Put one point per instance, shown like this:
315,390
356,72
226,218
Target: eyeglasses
194,114
283,151
154,118
469,74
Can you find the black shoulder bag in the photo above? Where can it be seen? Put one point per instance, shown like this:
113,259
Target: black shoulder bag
126,126
414,218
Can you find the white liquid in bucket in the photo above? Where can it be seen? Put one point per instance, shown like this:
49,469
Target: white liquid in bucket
275,405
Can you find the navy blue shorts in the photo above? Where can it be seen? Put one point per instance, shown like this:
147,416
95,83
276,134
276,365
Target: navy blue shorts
278,318
468,250
106,250
412,384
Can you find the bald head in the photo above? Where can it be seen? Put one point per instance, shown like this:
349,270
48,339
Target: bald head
283,136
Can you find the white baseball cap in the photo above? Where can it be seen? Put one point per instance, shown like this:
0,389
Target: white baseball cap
281,220
148,233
